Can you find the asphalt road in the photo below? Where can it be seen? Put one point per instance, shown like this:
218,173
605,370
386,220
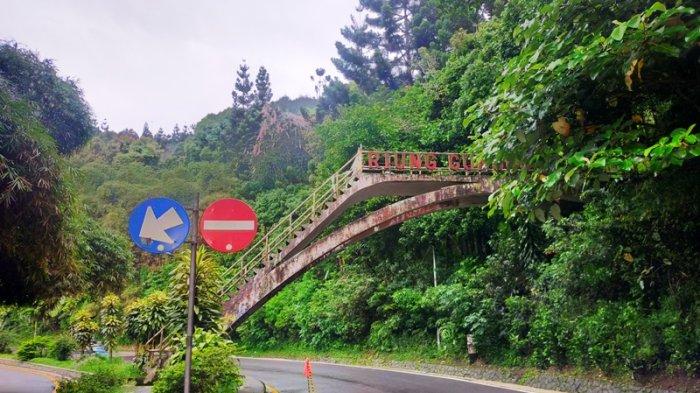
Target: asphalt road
17,380
288,377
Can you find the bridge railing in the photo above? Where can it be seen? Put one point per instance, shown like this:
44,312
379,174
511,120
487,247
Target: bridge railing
265,250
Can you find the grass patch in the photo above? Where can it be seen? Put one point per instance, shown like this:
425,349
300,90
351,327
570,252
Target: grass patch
55,363
352,355
122,369
93,364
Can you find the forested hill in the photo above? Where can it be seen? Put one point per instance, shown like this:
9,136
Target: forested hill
119,169
595,100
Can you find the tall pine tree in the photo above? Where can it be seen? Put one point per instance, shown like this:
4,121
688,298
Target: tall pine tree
263,92
249,99
243,95
161,137
146,133
383,50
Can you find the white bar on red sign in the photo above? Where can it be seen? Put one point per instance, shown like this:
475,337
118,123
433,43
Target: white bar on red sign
229,225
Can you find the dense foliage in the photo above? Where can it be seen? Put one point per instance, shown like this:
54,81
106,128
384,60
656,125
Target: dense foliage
57,101
594,105
47,246
36,258
35,348
587,255
594,101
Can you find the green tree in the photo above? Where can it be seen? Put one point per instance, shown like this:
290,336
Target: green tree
161,137
333,95
35,242
146,132
263,91
111,321
105,258
243,94
83,329
144,317
385,47
58,102
208,298
245,116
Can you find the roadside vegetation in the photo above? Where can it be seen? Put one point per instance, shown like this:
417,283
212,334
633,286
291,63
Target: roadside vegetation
587,259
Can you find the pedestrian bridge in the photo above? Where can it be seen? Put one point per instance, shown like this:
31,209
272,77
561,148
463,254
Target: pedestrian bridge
429,182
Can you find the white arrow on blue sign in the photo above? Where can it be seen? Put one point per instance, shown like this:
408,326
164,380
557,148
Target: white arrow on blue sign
159,225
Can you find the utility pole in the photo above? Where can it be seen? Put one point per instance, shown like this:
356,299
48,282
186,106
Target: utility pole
190,301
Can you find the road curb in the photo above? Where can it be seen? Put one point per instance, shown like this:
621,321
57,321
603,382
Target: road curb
62,372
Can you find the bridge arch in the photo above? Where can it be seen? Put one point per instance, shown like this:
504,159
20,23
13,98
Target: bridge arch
271,279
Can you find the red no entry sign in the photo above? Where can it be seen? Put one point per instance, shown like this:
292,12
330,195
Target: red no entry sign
228,225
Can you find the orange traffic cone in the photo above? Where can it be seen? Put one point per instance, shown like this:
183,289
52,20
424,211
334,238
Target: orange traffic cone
309,376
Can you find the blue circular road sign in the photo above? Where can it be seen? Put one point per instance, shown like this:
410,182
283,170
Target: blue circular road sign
159,225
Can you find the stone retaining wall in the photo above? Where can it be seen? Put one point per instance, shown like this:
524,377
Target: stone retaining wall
542,380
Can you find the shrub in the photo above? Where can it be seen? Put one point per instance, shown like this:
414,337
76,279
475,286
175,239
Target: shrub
61,348
213,370
5,340
101,381
123,370
548,336
34,348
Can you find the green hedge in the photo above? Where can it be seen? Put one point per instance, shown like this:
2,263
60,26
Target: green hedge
101,381
33,348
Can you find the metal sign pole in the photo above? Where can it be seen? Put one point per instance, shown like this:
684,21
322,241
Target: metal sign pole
190,302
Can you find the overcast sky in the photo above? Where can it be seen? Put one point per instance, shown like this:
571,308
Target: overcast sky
166,62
